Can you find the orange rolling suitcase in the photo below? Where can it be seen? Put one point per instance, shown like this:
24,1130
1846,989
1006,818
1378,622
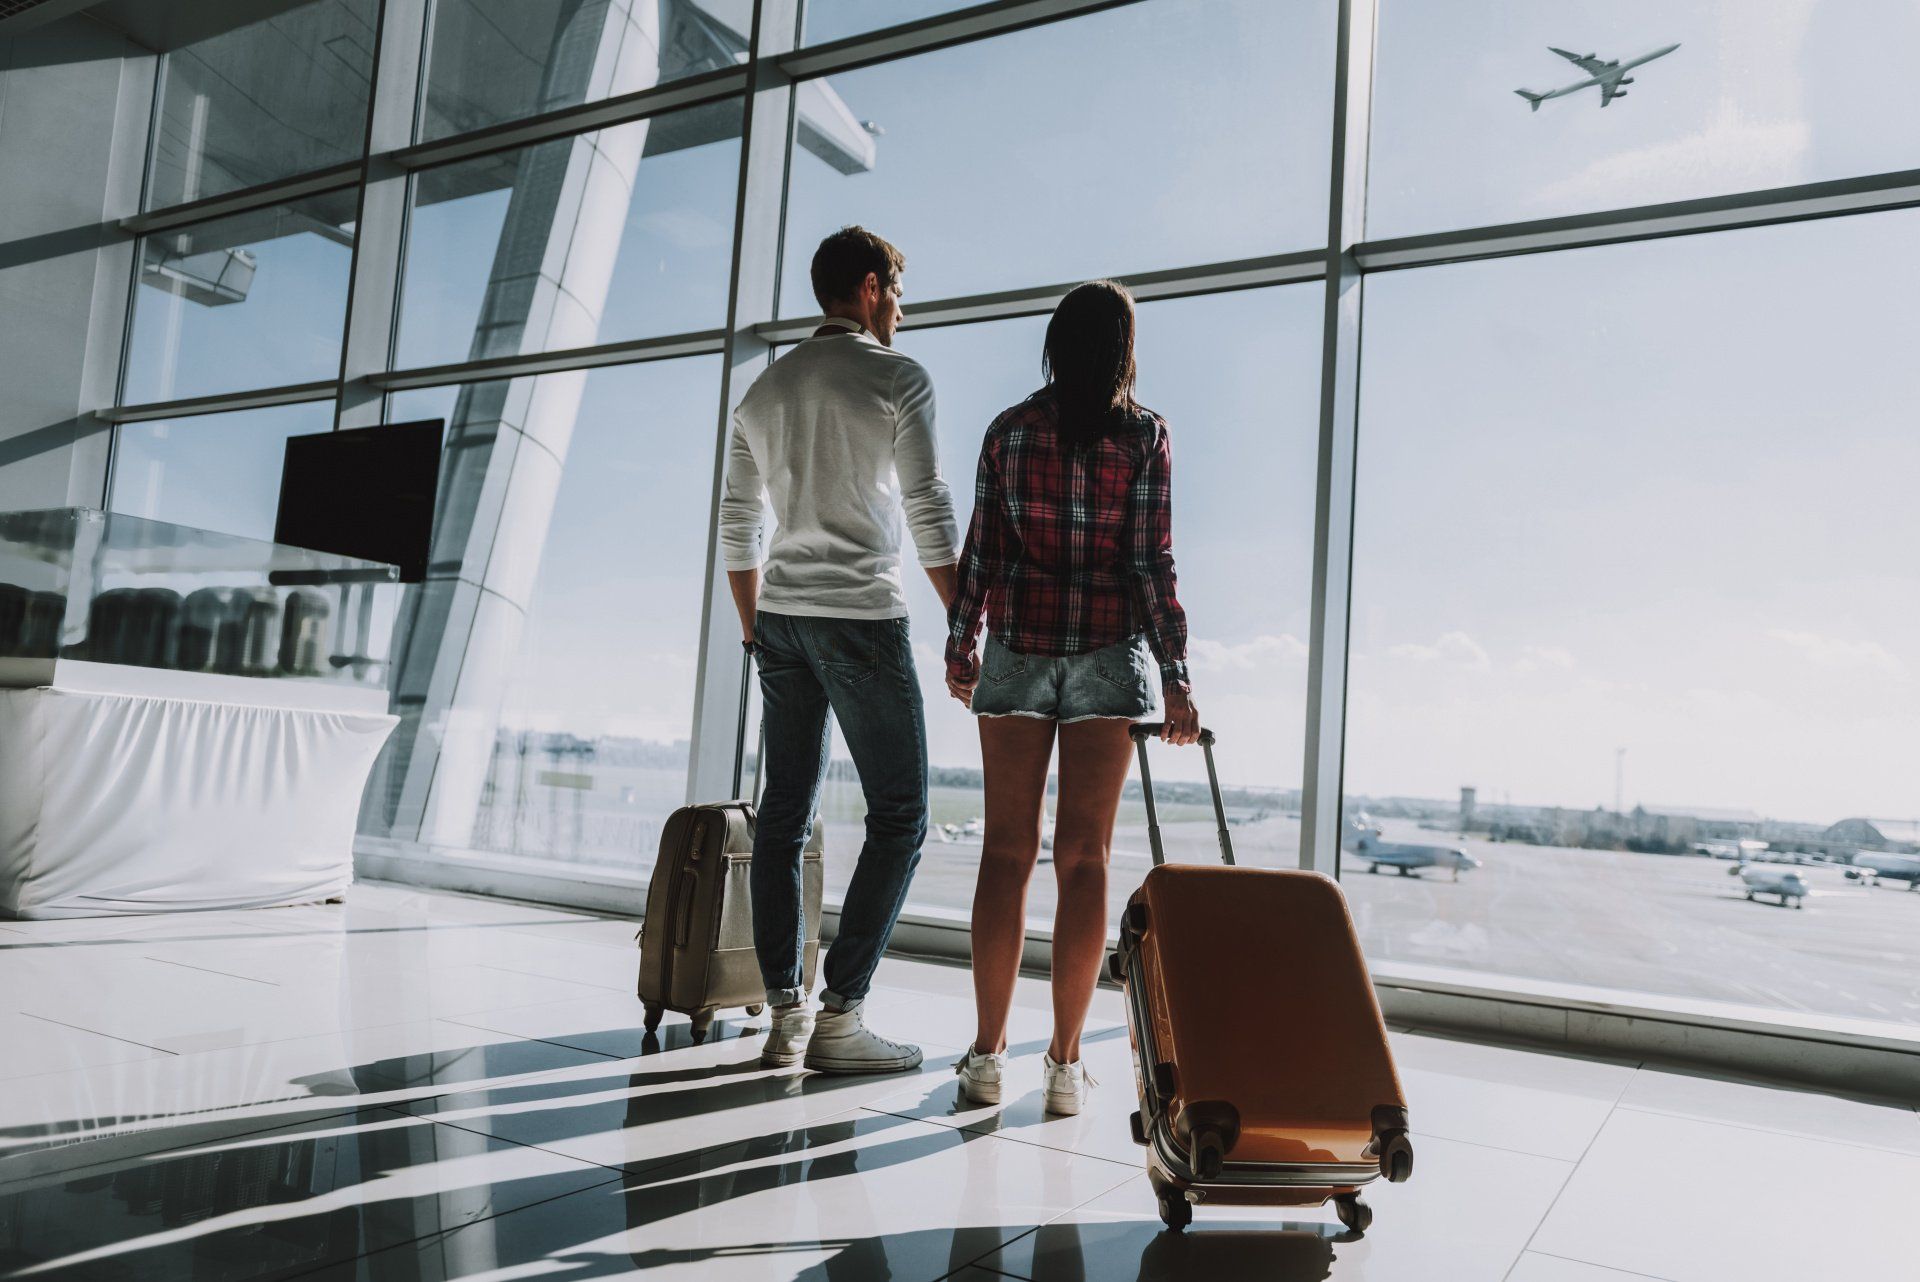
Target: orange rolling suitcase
1260,1056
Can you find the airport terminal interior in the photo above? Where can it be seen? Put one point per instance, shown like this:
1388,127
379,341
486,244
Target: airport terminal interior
1539,376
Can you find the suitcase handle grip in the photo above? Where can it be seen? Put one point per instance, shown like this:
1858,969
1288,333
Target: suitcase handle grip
1153,730
1145,730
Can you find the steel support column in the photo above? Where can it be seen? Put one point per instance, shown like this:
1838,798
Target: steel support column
1339,422
757,223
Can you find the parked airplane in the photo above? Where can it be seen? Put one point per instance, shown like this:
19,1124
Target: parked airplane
1363,839
1773,880
1874,866
1611,76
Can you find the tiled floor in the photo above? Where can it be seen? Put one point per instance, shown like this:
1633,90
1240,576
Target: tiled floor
418,1085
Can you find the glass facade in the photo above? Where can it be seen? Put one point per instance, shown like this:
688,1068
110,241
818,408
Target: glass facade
623,233
587,754
249,301
493,61
218,472
1755,96
1075,167
1628,588
248,102
1648,593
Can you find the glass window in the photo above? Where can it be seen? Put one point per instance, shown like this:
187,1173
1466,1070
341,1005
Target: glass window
1755,96
247,102
216,472
1236,376
587,755
1634,599
622,233
827,20
497,60
1046,156
255,300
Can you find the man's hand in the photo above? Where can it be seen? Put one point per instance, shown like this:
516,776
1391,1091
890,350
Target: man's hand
1183,719
963,689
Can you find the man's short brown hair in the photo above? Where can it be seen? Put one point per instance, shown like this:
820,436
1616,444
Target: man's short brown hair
843,260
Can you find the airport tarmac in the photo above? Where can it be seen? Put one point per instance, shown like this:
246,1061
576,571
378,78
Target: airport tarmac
1676,925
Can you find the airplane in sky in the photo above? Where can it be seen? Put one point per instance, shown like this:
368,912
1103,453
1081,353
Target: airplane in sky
1611,76
1772,879
1363,839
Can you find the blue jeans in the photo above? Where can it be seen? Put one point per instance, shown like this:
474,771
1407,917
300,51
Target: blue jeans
862,671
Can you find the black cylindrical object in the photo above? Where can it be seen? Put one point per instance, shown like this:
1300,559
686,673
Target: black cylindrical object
303,633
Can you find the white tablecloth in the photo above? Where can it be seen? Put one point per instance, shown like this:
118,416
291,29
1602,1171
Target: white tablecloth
127,803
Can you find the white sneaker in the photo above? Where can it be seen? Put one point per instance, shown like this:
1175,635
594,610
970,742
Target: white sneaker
1067,1085
980,1076
842,1043
787,1039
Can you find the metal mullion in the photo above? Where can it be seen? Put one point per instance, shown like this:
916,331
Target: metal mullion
1181,282
222,402
767,131
633,351
565,122
366,348
1334,477
941,31
1869,194
264,195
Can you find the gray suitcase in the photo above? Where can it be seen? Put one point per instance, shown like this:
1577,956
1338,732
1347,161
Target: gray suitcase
696,942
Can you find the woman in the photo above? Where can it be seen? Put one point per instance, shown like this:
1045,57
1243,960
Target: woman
1070,556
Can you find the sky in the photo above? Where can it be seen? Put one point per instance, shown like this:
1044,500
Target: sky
1649,496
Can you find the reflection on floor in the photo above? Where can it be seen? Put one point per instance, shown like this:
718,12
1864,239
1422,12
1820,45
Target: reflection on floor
419,1085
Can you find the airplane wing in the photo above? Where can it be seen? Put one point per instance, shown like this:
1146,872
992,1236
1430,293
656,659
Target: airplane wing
1608,88
1587,62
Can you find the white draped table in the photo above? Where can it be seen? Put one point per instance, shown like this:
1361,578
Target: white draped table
141,790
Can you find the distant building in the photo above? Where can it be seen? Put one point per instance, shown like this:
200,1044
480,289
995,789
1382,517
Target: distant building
1466,808
1901,835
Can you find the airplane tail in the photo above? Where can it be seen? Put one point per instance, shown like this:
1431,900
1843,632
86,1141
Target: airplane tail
1533,99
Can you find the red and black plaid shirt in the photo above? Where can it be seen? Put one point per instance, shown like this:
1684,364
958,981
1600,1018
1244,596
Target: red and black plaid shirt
1070,550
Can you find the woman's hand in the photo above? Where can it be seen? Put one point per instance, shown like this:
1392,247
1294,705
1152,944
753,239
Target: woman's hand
1183,719
963,690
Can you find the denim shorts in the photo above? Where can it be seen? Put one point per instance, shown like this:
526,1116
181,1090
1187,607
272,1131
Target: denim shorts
1114,682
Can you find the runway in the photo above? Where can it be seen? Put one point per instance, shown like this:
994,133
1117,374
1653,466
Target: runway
1673,925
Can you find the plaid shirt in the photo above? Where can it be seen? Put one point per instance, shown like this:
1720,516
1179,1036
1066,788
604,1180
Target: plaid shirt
1070,552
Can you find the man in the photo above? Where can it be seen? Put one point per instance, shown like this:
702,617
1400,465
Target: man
840,432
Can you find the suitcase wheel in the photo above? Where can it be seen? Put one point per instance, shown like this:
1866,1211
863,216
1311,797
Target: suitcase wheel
1137,918
702,1025
1353,1213
1116,968
1396,1157
1175,1211
1209,1155
653,1016
1139,1127
753,1011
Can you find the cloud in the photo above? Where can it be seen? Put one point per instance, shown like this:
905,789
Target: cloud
1455,648
685,230
1246,656
1835,654
1536,658
1729,153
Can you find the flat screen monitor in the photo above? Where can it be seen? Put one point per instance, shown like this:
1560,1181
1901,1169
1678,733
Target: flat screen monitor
366,492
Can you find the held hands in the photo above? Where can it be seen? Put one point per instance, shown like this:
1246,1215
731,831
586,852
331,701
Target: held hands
1183,719
963,689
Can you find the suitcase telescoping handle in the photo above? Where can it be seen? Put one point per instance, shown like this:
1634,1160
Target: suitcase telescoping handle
1145,730
740,735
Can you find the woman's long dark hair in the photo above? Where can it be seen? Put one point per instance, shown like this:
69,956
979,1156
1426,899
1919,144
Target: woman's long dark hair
1088,361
